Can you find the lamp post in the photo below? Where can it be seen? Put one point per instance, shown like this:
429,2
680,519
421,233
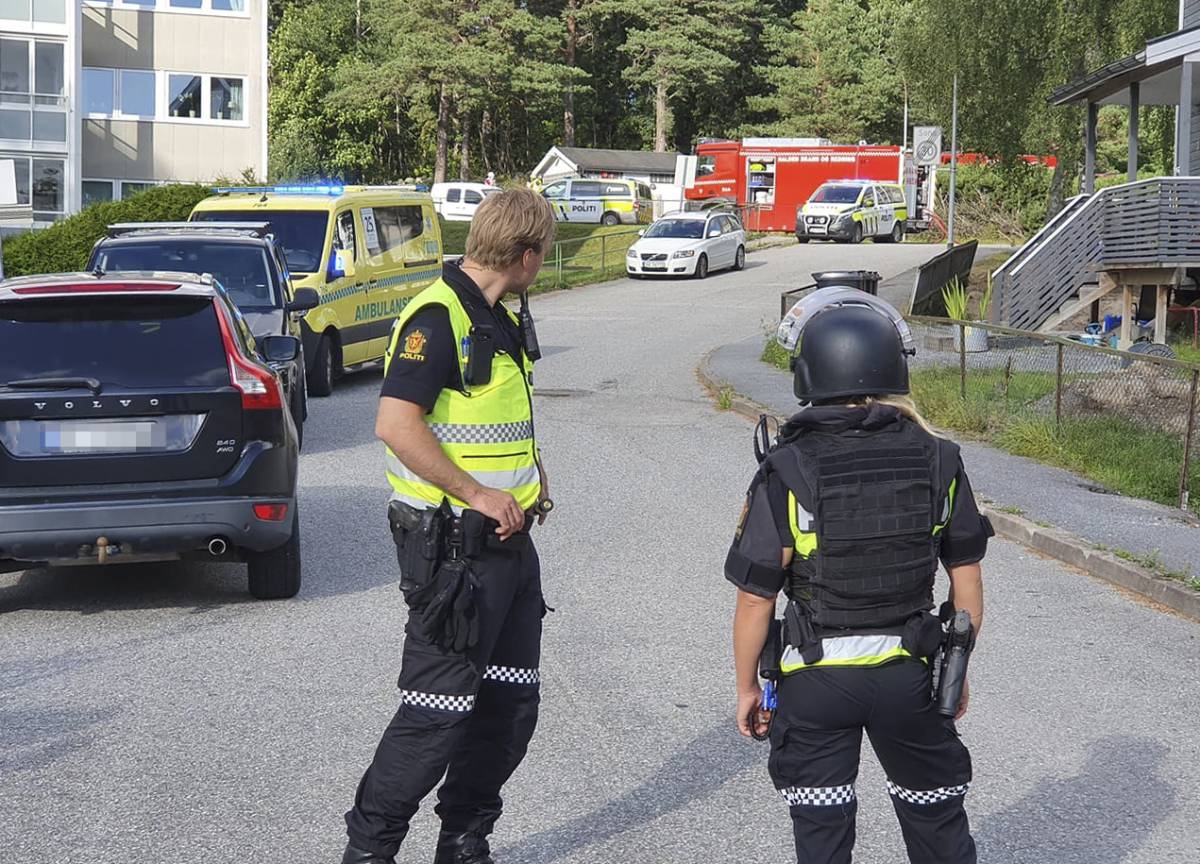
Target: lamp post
953,163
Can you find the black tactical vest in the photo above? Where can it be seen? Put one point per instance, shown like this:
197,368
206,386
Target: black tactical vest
876,495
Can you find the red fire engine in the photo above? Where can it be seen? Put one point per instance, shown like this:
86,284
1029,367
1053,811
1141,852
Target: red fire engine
773,177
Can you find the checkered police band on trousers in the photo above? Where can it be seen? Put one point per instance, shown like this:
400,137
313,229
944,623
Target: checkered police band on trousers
854,504
461,457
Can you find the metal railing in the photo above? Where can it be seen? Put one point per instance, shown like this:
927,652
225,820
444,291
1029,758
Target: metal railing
1147,405
586,259
1000,311
1149,223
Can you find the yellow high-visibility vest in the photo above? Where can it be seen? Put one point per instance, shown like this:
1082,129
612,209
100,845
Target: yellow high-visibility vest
486,430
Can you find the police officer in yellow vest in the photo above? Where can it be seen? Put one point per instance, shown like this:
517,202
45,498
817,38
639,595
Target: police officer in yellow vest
456,414
849,514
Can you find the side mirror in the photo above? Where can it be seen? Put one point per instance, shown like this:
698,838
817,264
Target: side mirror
642,233
714,232
304,299
279,348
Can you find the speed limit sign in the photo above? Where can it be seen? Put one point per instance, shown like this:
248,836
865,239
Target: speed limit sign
927,144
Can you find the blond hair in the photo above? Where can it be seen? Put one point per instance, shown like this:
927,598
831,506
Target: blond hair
905,405
506,225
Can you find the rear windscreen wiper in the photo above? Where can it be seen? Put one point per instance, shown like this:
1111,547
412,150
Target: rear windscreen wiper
92,384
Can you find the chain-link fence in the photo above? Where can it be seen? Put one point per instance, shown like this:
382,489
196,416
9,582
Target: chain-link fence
1127,419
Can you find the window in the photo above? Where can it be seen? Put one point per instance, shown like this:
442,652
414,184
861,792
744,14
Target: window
132,187
47,187
472,197
97,191
301,233
399,225
183,96
14,10
98,88
643,191
186,4
584,189
343,237
615,190
48,72
705,165
235,6
137,93
229,5
227,99
14,66
868,200
453,195
555,190
50,11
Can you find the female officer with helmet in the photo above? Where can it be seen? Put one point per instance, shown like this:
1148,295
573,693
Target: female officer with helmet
848,514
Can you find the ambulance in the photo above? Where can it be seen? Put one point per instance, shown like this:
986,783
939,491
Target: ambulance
367,250
609,202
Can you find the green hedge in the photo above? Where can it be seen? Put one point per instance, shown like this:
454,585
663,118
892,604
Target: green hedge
66,245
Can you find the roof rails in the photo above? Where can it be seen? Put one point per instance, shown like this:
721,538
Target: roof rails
257,229
331,189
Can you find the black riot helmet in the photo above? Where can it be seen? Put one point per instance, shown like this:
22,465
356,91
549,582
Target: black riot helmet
849,350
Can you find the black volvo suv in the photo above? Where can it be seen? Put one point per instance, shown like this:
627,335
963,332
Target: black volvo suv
139,420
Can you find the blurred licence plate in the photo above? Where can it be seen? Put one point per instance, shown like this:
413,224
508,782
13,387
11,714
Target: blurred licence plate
654,265
100,436
816,229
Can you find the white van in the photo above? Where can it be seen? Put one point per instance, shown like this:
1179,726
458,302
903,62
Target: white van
456,202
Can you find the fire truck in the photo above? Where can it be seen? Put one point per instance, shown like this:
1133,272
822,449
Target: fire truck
769,179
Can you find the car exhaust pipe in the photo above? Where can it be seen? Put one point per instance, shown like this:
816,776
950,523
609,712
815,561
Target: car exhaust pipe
217,547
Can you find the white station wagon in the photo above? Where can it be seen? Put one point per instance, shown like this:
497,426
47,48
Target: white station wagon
688,244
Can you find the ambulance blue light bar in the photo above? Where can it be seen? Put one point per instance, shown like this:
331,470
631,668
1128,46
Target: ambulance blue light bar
324,189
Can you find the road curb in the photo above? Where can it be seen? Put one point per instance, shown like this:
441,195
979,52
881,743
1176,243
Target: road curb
1055,543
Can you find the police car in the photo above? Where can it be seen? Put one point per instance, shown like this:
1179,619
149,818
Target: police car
850,211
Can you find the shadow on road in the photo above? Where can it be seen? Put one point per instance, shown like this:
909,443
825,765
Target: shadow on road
1100,816
695,772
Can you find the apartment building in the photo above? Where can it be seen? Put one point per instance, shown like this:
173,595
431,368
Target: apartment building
170,90
39,62
101,98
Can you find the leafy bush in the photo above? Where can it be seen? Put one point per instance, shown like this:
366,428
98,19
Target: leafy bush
996,202
66,245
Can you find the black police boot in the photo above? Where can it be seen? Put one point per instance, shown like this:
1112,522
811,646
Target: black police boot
467,848
354,855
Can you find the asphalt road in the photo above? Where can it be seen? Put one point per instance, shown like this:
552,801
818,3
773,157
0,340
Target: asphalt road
156,713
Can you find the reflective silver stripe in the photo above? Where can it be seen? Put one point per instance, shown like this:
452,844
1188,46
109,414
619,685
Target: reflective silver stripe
848,650
818,796
512,675
495,479
438,701
927,796
484,433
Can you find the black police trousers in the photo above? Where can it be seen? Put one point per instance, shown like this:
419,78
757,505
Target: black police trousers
816,738
467,716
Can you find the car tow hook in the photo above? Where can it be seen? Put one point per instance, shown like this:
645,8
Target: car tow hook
102,549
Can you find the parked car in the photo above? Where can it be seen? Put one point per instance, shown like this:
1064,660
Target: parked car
609,202
243,257
850,211
688,244
366,250
457,202
140,421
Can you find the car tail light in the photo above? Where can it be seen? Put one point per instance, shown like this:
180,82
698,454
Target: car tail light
260,388
94,288
271,512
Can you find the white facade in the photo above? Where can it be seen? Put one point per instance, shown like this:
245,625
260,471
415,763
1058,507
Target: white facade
101,98
39,126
